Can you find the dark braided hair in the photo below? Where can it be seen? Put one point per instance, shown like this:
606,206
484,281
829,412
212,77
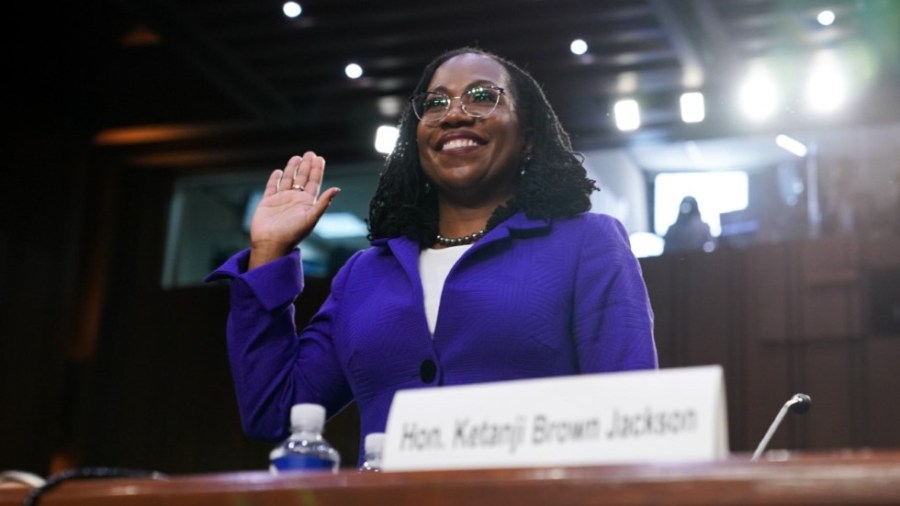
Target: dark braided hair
555,184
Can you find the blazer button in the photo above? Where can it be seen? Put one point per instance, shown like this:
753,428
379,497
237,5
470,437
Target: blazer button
428,370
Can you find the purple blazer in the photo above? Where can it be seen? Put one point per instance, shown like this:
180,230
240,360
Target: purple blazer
530,299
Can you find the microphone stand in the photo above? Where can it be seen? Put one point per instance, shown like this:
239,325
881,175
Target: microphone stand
799,403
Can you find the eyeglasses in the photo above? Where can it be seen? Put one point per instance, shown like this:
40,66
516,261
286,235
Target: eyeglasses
433,106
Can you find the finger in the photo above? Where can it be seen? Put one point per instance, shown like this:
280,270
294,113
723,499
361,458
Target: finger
316,173
272,183
301,172
289,169
324,201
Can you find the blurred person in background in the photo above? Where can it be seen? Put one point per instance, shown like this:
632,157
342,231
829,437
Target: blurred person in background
689,232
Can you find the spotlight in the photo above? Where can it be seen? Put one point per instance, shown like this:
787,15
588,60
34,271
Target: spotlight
291,9
693,109
578,46
826,88
825,18
386,139
791,145
628,115
353,71
759,96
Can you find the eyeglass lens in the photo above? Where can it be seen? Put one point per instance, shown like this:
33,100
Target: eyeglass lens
477,102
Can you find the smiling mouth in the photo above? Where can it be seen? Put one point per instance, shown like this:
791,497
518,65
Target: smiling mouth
458,143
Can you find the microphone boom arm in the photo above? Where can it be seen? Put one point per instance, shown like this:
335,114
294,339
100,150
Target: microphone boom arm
799,403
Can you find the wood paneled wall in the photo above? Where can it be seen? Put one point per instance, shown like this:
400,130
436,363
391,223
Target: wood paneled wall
786,318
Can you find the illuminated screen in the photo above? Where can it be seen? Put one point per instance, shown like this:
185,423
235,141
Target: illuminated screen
716,193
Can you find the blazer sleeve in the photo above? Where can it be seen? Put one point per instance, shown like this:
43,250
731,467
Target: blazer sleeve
272,366
613,322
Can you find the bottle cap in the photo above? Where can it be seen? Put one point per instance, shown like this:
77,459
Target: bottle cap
374,442
307,417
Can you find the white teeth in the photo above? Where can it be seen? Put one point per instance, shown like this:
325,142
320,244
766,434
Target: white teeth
459,143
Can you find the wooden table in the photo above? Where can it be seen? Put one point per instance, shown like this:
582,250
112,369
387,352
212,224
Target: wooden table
852,477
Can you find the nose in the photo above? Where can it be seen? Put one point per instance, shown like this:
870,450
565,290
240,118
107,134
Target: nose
455,112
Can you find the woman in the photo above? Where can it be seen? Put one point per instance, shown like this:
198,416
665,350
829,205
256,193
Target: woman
484,264
689,232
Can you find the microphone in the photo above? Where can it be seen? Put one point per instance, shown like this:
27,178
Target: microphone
799,403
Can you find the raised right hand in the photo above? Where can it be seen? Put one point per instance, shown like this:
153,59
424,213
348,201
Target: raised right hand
289,209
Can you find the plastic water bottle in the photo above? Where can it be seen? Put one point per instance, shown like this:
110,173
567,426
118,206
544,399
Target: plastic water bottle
373,447
305,449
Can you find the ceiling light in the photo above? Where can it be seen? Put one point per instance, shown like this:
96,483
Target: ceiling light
826,88
578,46
692,76
386,139
390,106
627,83
353,71
291,9
758,95
693,109
825,18
791,145
628,115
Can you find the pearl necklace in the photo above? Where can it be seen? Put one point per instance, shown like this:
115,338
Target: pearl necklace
458,241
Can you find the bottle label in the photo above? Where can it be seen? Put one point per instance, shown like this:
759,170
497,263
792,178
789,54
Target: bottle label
293,462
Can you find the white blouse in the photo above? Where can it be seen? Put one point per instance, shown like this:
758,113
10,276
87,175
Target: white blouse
434,265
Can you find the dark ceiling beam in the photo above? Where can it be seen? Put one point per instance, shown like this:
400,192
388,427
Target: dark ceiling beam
431,19
239,82
718,40
674,26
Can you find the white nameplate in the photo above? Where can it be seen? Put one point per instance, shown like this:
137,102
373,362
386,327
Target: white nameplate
625,417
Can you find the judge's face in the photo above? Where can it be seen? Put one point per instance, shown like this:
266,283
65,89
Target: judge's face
473,159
